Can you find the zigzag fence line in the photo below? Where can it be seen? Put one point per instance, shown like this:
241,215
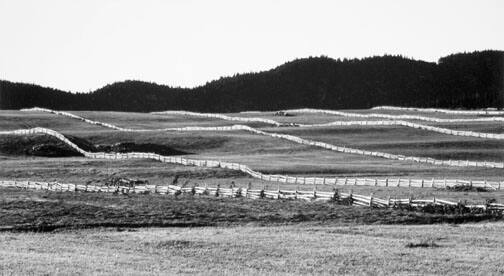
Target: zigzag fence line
440,110
360,123
413,125
224,117
395,117
292,138
387,182
336,196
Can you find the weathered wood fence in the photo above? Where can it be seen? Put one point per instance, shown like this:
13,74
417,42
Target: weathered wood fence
395,117
314,195
440,110
268,121
292,138
394,182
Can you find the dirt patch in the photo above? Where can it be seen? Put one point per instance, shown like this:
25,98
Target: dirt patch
176,244
422,244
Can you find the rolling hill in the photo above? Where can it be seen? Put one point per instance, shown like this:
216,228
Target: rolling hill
464,80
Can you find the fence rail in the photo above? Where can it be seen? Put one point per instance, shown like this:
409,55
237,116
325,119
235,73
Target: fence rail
336,195
218,116
393,182
447,131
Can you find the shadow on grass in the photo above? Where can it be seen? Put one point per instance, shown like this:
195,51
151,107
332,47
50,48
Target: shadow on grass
25,210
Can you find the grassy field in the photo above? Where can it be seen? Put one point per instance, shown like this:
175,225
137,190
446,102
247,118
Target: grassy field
279,250
96,233
239,236
278,156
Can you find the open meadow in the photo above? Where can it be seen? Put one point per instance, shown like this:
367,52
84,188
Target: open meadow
65,232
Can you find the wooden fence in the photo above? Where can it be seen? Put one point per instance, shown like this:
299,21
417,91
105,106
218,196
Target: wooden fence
445,111
218,116
314,195
447,131
386,182
299,140
268,121
395,117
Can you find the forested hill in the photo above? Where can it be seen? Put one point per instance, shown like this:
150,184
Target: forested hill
469,80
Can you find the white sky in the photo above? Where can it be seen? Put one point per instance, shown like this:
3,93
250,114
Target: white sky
81,45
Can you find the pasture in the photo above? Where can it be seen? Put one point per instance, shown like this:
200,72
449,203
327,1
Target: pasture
295,236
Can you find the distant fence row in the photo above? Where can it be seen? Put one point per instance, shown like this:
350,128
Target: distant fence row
413,125
359,123
446,111
393,182
219,116
395,117
337,196
299,140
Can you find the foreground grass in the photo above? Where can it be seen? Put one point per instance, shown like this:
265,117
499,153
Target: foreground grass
465,249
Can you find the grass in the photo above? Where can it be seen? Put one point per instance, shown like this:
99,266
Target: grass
278,156
280,250
86,233
265,154
46,211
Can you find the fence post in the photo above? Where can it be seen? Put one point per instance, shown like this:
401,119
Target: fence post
350,197
335,195
217,190
278,191
314,190
388,201
193,189
249,186
371,200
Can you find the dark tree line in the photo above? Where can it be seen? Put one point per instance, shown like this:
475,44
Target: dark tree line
468,80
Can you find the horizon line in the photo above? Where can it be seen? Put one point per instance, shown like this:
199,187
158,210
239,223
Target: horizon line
251,72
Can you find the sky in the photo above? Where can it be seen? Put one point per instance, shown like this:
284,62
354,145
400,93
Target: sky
81,45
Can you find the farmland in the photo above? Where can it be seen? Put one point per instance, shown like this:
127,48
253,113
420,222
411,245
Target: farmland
116,218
